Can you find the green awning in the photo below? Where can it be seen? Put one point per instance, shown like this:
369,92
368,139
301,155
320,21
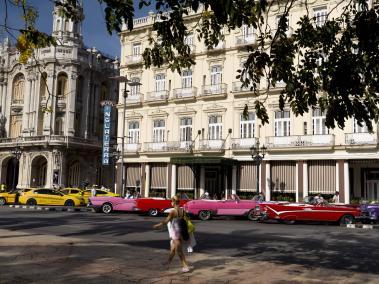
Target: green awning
202,160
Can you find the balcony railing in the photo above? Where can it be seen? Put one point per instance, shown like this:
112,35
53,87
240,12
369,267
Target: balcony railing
134,99
157,96
184,93
133,147
361,138
217,89
245,40
48,139
218,47
213,145
168,146
300,141
237,87
243,143
133,59
289,32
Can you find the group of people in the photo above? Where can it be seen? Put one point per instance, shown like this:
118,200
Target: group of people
132,194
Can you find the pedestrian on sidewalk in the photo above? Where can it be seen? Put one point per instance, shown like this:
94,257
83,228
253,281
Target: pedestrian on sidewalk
174,221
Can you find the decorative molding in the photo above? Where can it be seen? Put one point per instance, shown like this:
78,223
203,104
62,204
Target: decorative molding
133,115
185,111
215,108
158,113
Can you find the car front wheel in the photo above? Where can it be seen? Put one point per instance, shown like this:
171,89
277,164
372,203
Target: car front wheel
31,202
204,215
106,208
69,203
252,216
347,219
2,201
153,212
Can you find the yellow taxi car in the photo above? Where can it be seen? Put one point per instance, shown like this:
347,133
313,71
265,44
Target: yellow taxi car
46,196
99,192
77,192
7,197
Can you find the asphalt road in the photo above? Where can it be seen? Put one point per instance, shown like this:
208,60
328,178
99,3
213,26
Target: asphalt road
85,247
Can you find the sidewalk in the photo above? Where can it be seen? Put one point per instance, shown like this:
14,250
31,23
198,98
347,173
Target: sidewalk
39,258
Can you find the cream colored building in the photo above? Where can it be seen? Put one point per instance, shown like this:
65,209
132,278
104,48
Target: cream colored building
186,133
57,124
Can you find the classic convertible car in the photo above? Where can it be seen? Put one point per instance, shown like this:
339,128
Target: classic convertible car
204,209
107,204
291,212
370,212
155,206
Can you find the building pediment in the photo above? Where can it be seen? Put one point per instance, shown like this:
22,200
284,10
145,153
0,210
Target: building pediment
215,108
133,115
185,111
158,113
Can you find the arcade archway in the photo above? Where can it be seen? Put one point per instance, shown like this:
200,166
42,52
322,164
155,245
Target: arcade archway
39,172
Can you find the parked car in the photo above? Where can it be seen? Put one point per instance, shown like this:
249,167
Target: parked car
204,209
291,212
370,212
45,196
77,192
108,204
7,197
155,206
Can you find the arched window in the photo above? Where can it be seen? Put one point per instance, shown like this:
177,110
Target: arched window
18,89
58,26
66,25
103,91
59,122
62,86
15,125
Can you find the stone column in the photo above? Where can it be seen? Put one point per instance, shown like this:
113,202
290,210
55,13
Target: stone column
173,179
299,181
338,178
234,180
202,181
48,115
6,105
70,108
147,181
346,182
143,179
169,184
268,181
25,110
305,179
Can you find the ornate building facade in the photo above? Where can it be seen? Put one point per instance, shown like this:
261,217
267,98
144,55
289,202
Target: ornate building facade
187,132
50,111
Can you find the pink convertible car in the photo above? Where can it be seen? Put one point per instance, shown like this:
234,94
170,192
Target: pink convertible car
205,209
107,204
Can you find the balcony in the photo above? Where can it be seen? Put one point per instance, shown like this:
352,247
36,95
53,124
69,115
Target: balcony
132,147
243,40
133,60
212,145
300,141
353,140
289,32
184,94
157,97
214,91
168,146
134,99
243,144
238,90
218,48
46,140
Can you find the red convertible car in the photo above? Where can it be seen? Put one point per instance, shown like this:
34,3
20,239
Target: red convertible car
291,212
155,206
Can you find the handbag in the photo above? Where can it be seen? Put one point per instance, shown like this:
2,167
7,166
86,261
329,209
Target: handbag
190,225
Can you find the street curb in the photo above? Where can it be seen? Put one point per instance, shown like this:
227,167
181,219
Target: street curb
58,209
361,226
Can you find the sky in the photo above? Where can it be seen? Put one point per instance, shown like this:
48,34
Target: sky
94,29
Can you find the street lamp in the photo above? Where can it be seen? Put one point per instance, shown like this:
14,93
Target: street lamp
16,152
258,153
126,81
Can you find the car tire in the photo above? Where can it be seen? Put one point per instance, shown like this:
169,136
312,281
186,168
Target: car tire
2,201
251,215
31,202
287,222
347,219
153,212
204,215
106,208
69,203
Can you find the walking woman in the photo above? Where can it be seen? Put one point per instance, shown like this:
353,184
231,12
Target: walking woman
173,224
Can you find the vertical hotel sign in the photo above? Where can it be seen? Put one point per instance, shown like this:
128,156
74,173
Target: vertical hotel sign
107,107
